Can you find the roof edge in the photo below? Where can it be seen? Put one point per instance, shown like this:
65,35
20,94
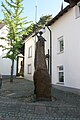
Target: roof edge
59,15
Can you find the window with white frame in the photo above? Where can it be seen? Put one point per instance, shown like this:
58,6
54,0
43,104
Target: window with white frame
77,10
60,74
30,52
29,70
60,44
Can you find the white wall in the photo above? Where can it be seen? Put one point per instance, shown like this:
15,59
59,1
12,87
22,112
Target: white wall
31,42
28,43
5,63
46,35
68,27
5,66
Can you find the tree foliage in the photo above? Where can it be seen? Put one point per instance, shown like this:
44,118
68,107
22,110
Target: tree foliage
43,20
12,10
41,24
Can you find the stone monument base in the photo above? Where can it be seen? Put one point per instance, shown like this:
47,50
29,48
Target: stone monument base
42,84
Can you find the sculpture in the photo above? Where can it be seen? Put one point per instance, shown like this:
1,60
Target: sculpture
42,79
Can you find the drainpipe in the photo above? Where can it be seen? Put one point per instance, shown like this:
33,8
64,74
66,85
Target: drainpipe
50,51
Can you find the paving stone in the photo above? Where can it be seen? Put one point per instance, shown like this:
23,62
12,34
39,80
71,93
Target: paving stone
22,106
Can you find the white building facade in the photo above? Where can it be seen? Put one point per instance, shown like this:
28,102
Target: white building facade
5,63
29,58
65,31
30,45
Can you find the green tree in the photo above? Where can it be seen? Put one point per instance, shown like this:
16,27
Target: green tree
12,10
0,21
43,20
40,24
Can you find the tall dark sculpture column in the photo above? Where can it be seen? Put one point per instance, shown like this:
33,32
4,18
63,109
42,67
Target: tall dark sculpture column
42,80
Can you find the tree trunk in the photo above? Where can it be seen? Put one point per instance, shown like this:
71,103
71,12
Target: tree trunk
12,68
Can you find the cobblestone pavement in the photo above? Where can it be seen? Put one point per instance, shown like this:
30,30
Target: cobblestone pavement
17,103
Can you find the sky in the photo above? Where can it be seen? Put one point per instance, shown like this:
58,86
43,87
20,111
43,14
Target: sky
44,7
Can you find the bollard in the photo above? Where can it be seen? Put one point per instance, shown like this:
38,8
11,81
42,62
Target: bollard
0,81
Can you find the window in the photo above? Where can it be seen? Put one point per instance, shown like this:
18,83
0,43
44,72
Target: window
29,69
60,45
60,74
30,52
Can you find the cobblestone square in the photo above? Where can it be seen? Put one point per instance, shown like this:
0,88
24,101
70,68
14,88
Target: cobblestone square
17,103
